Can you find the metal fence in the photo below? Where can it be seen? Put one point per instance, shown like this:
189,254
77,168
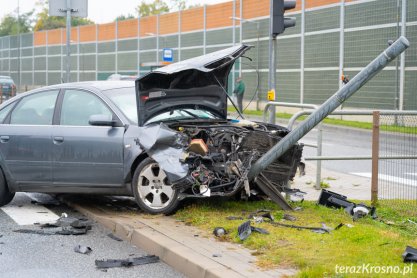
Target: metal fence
397,179
331,37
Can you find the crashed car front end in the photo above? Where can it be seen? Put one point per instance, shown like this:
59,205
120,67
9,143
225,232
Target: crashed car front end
205,154
213,159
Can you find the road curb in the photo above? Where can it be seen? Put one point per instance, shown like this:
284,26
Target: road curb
173,252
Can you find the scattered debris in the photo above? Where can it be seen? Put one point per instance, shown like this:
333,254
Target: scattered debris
219,231
323,229
244,230
331,199
339,226
302,169
63,231
272,192
289,217
296,195
68,225
82,249
411,221
79,223
112,236
217,255
259,230
410,255
127,262
234,218
298,208
260,214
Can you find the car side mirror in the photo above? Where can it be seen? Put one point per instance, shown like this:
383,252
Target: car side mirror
101,120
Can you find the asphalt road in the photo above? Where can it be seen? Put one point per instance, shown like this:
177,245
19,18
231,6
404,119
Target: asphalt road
353,142
32,255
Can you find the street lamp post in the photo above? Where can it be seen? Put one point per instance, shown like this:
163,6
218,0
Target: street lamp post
19,47
257,51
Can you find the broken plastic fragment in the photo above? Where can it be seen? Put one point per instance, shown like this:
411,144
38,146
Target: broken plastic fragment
82,249
410,255
258,219
234,218
259,230
219,231
331,199
244,230
289,217
127,262
321,230
73,222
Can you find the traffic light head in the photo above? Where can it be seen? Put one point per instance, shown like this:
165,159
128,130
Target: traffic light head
279,22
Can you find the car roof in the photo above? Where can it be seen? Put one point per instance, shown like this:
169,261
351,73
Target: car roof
94,85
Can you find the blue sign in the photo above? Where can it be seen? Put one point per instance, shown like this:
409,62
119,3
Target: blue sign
167,55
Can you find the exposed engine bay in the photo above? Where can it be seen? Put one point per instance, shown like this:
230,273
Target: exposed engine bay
216,157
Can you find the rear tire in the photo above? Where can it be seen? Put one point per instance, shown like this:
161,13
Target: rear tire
5,195
151,189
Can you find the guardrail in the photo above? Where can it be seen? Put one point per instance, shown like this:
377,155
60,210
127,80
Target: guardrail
319,145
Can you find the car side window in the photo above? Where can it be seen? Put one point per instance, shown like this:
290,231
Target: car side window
36,109
4,112
78,106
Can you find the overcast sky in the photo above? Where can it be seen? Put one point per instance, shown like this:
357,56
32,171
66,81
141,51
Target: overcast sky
100,11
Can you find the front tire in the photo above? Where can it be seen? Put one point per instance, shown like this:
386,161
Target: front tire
151,189
5,195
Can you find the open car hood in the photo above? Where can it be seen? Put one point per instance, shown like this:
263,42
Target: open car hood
192,83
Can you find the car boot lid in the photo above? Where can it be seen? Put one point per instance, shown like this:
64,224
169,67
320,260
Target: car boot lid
194,83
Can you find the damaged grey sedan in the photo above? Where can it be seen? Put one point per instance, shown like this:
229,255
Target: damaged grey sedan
162,139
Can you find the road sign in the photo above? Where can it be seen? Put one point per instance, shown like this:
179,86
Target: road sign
79,8
167,55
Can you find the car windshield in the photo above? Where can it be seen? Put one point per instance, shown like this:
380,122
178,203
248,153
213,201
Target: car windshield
125,99
183,114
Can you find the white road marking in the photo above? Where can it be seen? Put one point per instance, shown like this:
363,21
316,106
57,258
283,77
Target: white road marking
28,214
411,174
389,178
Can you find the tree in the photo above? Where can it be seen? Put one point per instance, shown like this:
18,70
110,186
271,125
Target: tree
46,22
161,6
10,25
124,17
153,8
178,5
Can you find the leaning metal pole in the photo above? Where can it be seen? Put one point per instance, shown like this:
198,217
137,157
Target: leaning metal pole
330,105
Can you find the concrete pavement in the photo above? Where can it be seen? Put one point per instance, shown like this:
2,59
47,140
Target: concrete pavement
190,251
352,186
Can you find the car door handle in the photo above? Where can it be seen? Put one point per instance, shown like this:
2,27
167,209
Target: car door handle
58,139
4,138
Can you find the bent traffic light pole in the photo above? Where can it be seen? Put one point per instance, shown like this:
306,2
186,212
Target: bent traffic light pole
329,106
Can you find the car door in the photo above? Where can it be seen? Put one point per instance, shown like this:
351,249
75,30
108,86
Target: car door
26,140
86,155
